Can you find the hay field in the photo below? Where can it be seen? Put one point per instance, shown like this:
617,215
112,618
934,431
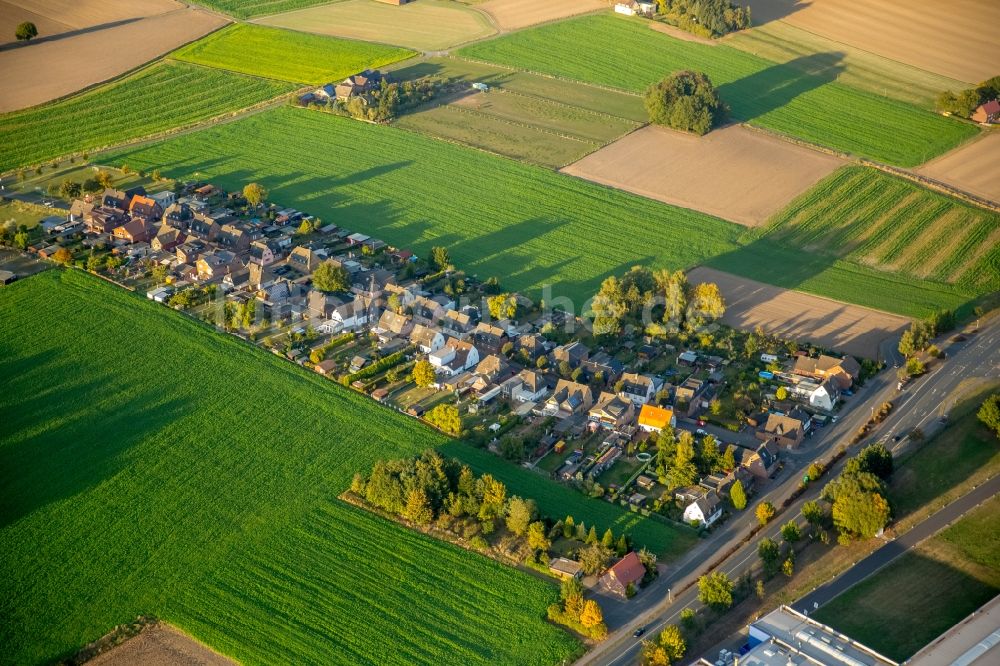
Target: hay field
161,645
516,14
287,55
734,173
955,39
427,25
974,167
200,487
796,315
77,60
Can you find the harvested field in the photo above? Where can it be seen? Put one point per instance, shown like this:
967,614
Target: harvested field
734,173
800,316
955,39
161,645
79,59
515,14
427,25
974,168
53,17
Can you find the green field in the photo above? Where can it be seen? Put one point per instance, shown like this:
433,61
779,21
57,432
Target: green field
161,97
428,25
286,55
199,486
250,8
557,501
527,225
627,55
877,220
926,591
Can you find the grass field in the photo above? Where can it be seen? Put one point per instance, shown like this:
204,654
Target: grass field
205,493
250,8
557,501
527,225
286,55
887,223
782,42
161,97
428,25
926,591
626,54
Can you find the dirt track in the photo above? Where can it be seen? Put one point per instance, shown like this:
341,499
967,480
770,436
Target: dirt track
514,14
956,38
88,53
733,173
161,645
799,316
974,167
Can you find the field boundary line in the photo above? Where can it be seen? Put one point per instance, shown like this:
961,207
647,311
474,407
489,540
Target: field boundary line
935,185
588,84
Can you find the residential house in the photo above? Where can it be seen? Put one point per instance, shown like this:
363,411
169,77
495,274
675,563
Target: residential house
722,482
612,411
532,345
164,199
573,353
761,462
349,316
392,324
233,238
532,387
844,370
640,389
646,483
489,337
569,398
655,419
564,568
604,365
264,253
177,215
118,199
426,339
102,220
136,230
189,251
359,84
456,324
326,367
687,358
987,113
493,368
403,294
784,430
215,265
689,390
167,239
627,571
304,259
456,356
145,208
705,510
825,395
202,227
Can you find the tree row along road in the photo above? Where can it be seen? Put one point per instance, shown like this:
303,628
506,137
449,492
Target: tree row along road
920,406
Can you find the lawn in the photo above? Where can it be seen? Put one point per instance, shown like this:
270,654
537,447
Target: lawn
627,55
200,486
912,601
158,98
666,540
527,225
428,25
877,220
286,55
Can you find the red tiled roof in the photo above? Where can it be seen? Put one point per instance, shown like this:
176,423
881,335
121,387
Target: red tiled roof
629,569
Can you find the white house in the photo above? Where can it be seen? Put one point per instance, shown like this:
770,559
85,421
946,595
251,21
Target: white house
164,199
704,510
622,8
427,339
640,389
825,396
347,317
455,357
531,387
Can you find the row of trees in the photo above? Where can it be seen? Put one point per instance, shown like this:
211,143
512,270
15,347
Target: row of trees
708,18
665,298
582,615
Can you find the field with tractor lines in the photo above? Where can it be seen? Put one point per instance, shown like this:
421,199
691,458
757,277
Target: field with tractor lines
205,494
786,98
163,96
286,55
249,8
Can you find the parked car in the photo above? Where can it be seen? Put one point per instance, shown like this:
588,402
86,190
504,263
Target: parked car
638,632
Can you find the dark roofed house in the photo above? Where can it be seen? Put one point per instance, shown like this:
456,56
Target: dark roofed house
627,571
784,430
102,220
574,353
136,230
167,239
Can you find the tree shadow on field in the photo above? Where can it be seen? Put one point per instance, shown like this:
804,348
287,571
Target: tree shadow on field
776,86
70,33
59,437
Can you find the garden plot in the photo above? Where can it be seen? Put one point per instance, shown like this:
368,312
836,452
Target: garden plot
974,167
733,173
80,57
426,25
799,316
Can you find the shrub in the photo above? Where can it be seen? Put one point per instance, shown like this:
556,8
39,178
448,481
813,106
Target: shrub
686,101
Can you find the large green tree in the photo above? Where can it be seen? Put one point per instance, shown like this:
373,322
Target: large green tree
26,31
989,413
686,101
715,590
330,276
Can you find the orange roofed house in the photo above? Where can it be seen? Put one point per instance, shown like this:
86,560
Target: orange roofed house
655,419
987,113
843,370
627,571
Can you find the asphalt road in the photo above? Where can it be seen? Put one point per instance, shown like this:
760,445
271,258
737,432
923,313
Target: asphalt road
918,406
889,552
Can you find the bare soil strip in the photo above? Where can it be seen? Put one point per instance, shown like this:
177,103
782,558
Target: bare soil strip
733,173
792,314
78,60
955,39
974,167
161,645
515,14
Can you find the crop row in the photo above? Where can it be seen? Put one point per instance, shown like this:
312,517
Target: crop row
161,97
785,98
